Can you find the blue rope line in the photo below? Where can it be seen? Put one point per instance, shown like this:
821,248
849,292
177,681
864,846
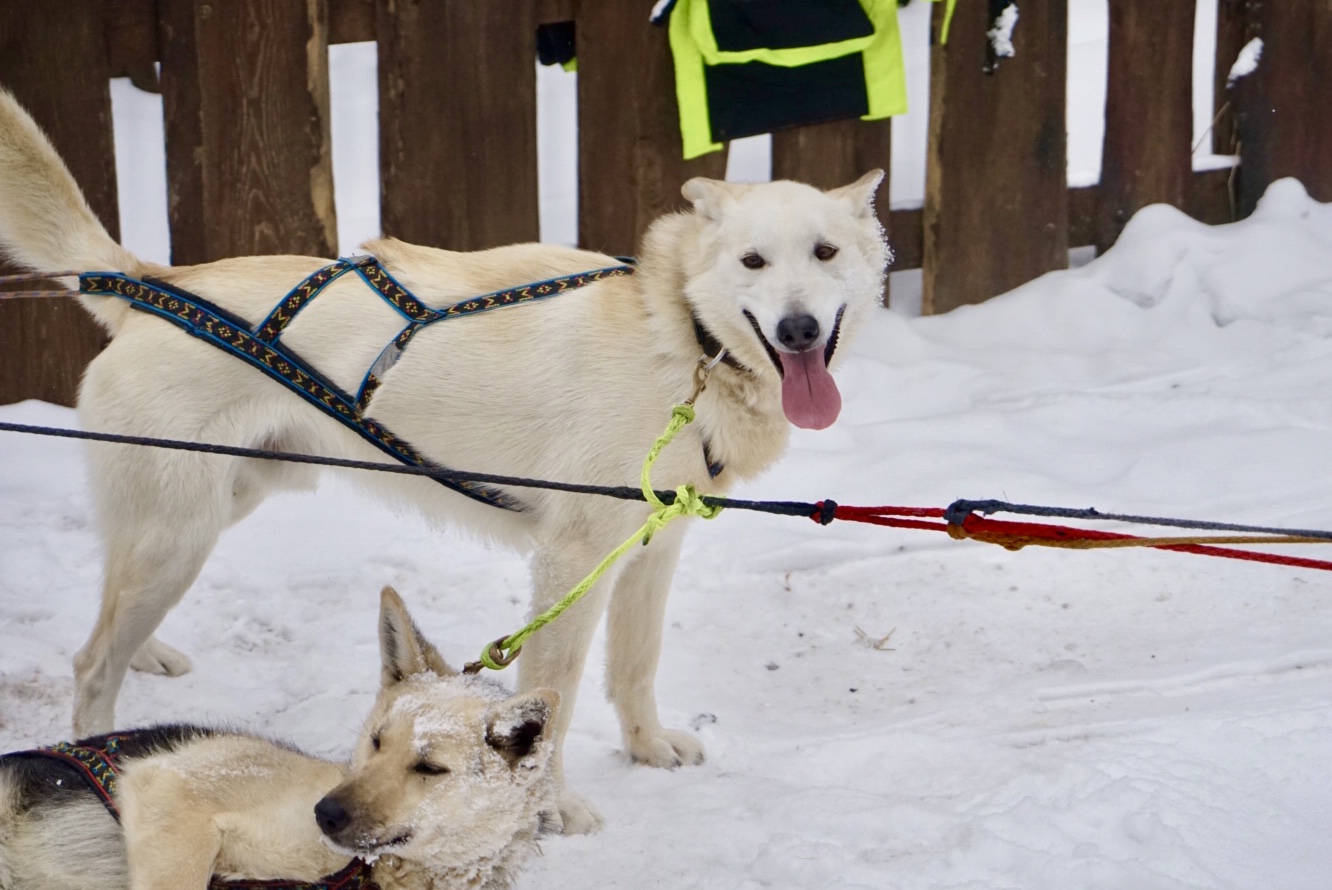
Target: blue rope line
824,511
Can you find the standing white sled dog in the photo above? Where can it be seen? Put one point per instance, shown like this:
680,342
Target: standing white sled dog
573,388
449,787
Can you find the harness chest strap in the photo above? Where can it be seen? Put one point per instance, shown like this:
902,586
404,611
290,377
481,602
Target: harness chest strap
262,348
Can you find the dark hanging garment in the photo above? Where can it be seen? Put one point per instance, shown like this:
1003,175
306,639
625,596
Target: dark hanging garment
744,67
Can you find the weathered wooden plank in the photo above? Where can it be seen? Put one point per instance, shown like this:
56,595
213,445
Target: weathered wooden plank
551,11
1212,196
630,165
996,204
907,228
1232,32
131,41
351,21
1208,200
56,66
457,122
249,155
1146,155
1283,110
1082,205
835,153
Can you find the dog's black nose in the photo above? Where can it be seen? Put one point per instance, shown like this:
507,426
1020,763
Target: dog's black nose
331,815
798,332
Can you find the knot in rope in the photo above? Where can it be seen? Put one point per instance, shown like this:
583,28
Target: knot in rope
687,503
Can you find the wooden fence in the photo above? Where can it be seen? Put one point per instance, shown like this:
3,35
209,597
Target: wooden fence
246,98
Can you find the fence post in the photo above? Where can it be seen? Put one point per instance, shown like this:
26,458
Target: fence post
835,153
630,165
996,193
249,156
1283,113
457,122
1146,156
1233,30
55,64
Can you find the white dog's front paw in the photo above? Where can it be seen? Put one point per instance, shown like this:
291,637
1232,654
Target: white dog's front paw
666,748
577,816
156,657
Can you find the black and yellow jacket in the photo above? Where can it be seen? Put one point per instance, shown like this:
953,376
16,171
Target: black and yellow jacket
753,66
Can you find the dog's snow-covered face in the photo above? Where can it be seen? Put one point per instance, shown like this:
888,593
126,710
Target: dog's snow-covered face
785,274
450,769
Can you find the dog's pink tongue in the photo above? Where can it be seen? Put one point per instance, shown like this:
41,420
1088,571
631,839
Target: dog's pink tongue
809,393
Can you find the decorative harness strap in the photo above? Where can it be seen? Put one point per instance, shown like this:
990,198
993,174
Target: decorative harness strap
98,763
356,876
260,345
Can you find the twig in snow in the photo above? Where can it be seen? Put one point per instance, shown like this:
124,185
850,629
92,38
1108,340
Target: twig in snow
879,644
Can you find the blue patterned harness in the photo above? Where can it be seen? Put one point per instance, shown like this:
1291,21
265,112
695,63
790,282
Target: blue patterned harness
260,345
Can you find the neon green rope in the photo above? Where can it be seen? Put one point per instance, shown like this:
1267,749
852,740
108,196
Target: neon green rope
687,503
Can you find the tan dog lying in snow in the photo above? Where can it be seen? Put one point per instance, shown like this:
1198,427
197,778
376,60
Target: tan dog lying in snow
450,785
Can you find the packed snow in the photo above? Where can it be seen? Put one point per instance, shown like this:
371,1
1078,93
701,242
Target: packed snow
1246,62
1001,35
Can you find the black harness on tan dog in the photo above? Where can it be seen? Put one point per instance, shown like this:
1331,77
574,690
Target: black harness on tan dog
98,762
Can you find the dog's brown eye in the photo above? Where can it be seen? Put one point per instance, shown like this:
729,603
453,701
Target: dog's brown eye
374,741
429,769
753,261
825,252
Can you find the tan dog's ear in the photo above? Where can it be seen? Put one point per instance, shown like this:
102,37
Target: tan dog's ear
710,197
516,725
403,652
859,195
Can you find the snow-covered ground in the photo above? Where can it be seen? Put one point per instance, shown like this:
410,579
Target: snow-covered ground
1036,719
1040,719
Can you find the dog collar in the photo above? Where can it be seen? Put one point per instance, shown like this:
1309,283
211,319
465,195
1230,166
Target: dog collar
712,347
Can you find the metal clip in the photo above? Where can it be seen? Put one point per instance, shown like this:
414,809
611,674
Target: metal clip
701,371
497,656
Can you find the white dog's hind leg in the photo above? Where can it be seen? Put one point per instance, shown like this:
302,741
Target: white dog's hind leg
634,627
135,599
554,656
161,517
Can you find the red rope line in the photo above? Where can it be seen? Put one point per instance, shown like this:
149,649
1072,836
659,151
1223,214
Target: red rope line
1019,534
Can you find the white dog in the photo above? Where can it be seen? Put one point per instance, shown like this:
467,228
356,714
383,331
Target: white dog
573,388
449,787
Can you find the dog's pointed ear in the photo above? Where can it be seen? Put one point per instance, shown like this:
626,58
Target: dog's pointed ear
403,652
859,195
516,726
710,197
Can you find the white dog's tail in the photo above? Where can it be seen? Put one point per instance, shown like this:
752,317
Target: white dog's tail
45,222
